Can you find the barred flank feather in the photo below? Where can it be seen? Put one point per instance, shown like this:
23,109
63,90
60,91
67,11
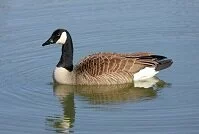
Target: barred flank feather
113,68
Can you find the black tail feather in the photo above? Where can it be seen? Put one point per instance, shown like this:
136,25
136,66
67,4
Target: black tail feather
163,64
157,57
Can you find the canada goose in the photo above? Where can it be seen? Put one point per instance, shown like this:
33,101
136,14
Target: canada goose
103,68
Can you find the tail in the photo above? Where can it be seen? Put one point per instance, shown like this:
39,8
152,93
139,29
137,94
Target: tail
163,64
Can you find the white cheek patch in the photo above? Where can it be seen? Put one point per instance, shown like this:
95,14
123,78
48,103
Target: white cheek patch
62,39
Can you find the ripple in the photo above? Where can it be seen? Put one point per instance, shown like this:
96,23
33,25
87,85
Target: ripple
29,104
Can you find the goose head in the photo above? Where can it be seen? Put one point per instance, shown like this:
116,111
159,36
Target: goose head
59,36
62,36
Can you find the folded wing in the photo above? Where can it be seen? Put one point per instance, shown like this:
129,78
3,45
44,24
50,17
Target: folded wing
114,68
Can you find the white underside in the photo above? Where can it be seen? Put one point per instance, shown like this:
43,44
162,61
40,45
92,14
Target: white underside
63,76
145,73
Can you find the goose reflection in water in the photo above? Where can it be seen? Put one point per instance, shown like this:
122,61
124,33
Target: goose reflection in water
105,95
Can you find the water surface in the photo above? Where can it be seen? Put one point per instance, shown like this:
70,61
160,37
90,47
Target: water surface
30,103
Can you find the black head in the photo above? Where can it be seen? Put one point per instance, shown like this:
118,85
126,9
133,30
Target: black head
59,36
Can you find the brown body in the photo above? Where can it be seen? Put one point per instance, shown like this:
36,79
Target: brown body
114,68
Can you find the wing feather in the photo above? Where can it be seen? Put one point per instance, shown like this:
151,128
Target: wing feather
113,68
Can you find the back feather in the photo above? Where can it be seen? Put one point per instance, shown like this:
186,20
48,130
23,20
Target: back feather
113,68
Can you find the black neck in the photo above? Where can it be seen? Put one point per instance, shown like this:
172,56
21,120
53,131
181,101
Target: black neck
66,60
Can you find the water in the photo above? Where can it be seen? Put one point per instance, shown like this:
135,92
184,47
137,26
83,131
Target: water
30,103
